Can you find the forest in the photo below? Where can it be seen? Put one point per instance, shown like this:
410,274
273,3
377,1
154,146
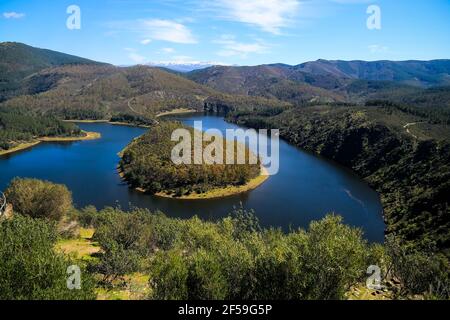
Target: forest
20,125
146,163
146,255
411,176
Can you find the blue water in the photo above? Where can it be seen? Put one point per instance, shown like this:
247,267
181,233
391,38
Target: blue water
305,189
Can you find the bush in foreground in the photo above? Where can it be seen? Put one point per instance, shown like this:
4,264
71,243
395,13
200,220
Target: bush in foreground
30,269
39,199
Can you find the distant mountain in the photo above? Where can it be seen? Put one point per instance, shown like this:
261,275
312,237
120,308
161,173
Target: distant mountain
50,81
418,73
326,81
182,67
76,88
18,61
270,81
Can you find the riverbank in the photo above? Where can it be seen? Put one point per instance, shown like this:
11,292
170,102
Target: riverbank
176,112
27,145
109,122
214,193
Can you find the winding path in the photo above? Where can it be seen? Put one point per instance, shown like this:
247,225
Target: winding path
410,125
131,108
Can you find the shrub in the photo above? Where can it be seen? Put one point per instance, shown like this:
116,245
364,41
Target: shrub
39,199
30,269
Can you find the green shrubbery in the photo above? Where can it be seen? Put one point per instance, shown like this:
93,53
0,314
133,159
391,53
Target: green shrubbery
39,199
30,269
231,259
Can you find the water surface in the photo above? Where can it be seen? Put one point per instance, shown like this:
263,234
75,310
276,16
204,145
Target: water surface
306,188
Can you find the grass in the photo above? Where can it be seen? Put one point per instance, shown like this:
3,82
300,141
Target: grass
132,287
82,248
361,292
175,112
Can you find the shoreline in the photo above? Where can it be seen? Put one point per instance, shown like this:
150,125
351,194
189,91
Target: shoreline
175,112
217,193
86,121
118,123
27,145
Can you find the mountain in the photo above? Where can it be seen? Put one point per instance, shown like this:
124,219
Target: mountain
418,73
327,81
270,81
74,88
182,67
18,61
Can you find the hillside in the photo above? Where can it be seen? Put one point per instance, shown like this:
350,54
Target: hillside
411,173
329,81
419,73
270,81
18,61
55,84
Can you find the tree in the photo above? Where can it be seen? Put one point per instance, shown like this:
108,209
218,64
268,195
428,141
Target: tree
39,199
30,269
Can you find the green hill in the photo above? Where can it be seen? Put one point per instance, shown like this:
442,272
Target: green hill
18,61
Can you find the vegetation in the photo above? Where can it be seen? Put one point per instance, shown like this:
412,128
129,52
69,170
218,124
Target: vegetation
131,119
19,125
39,199
30,268
32,60
233,258
412,176
147,164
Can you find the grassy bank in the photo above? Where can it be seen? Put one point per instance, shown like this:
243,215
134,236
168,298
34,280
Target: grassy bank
175,112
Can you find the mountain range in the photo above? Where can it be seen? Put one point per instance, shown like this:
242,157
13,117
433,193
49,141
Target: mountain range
48,80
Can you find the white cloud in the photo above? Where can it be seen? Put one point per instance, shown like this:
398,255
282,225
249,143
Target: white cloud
13,15
375,48
166,30
135,56
168,50
146,41
231,47
269,15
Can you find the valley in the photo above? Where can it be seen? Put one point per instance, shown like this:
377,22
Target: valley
366,141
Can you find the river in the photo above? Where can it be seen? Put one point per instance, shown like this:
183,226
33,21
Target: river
306,188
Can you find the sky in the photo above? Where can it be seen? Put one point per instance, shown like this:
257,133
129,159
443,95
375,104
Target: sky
231,32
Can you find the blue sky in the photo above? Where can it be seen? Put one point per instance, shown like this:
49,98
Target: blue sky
242,32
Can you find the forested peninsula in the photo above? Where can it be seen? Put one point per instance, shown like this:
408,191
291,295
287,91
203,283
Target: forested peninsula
146,164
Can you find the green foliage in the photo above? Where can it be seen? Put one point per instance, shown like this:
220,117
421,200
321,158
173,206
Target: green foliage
419,271
319,264
147,164
411,176
30,269
39,199
20,125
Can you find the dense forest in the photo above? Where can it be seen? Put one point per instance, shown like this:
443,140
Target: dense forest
412,176
19,125
146,163
146,255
